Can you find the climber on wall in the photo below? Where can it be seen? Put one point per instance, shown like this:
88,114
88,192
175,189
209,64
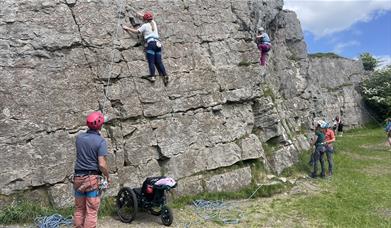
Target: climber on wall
153,46
91,152
264,45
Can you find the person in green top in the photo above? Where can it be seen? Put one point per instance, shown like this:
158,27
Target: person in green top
318,154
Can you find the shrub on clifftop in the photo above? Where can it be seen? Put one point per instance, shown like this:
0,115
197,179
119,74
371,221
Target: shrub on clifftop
368,61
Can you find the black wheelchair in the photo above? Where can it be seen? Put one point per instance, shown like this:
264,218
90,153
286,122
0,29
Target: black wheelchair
150,197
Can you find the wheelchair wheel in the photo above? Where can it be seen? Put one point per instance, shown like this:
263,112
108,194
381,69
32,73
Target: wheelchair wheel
166,216
126,204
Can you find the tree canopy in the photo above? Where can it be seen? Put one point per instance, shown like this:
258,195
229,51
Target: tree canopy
377,92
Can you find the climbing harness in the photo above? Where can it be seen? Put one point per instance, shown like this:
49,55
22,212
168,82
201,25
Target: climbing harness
53,221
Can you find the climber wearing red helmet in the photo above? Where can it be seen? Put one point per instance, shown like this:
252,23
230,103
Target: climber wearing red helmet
91,152
153,46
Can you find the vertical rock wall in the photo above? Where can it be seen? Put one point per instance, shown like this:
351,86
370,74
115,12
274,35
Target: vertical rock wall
219,111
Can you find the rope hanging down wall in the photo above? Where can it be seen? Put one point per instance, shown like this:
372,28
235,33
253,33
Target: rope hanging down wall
120,17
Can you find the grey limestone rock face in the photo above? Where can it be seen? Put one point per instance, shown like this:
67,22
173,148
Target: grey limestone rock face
60,60
233,180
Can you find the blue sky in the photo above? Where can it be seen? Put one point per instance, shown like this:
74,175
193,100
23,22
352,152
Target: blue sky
346,27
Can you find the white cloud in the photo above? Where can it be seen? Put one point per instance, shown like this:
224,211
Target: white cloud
385,60
339,47
324,17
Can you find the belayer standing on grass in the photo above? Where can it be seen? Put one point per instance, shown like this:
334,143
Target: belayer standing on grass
264,45
91,152
153,46
318,142
329,149
388,130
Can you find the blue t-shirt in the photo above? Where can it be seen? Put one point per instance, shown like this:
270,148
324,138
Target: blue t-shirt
265,38
89,146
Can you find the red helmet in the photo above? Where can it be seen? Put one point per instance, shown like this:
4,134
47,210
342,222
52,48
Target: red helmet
148,16
95,120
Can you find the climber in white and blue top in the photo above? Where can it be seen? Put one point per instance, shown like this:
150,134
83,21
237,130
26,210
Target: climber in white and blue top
153,46
264,45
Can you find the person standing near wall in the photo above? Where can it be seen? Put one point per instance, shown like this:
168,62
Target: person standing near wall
388,130
318,142
338,126
329,149
91,152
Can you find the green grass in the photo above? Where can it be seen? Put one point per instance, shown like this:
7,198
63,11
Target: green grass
359,193
301,166
268,92
23,211
252,190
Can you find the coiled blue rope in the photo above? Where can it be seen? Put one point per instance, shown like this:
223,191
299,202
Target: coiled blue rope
53,221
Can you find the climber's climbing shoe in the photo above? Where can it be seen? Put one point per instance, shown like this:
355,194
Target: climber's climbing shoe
149,78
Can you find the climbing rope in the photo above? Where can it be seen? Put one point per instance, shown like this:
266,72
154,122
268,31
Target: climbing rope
120,16
53,221
217,211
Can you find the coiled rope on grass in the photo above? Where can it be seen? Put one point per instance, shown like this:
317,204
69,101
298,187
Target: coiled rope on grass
217,211
53,221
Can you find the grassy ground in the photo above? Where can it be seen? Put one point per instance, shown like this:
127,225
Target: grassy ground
358,195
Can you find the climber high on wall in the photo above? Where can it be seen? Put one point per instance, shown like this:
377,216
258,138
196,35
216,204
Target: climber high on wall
153,46
264,45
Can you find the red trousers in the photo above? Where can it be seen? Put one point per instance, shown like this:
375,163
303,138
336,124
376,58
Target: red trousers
264,49
87,201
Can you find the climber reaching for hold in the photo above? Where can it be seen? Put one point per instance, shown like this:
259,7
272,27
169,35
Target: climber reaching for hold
264,45
153,46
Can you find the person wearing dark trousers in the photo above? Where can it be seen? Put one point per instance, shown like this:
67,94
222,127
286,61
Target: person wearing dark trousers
154,57
153,46
318,142
338,126
388,131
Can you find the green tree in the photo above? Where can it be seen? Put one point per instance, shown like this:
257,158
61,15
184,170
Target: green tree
368,61
377,92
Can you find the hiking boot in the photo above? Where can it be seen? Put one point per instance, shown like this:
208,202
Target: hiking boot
165,80
313,175
322,175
